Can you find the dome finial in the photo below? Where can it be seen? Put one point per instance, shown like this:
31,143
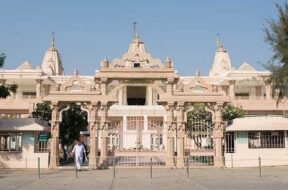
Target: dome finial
218,41
53,40
75,72
197,73
134,30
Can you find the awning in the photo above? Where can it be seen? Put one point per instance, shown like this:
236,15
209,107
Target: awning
258,124
23,124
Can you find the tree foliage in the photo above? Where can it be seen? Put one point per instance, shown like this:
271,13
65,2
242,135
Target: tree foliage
42,111
74,120
5,90
276,35
230,112
199,113
2,59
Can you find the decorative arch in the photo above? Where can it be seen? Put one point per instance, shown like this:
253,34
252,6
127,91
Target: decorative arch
75,83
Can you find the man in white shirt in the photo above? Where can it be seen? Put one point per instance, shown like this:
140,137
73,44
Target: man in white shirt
78,152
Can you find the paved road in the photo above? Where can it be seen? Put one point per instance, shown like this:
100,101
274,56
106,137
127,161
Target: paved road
273,178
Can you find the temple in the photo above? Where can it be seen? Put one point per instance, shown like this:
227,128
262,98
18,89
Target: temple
138,105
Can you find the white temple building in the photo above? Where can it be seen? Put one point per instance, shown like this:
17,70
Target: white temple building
138,103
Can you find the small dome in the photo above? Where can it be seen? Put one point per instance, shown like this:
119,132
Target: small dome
246,67
25,65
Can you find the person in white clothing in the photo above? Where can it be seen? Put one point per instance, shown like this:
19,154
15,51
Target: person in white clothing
78,152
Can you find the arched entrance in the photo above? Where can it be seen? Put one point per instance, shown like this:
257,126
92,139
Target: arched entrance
199,142
73,125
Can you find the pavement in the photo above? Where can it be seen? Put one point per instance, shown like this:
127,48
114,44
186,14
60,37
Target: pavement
273,178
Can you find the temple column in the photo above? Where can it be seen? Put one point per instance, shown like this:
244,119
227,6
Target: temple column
120,96
232,89
170,82
93,128
268,90
54,146
149,96
170,135
218,136
38,88
104,135
125,95
180,135
103,86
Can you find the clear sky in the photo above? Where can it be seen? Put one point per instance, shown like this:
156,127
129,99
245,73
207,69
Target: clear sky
87,31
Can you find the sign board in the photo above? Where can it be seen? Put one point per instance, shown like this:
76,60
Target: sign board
43,137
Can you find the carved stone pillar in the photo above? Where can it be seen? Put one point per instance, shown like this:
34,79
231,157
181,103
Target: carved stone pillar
54,146
104,135
170,82
93,137
268,90
180,135
38,88
120,96
218,136
232,89
103,86
149,95
170,136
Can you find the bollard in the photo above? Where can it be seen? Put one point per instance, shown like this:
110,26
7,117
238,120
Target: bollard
231,160
38,168
188,175
260,172
114,169
76,170
150,168
26,163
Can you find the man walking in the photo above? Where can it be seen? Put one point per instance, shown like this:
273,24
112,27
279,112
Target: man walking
79,152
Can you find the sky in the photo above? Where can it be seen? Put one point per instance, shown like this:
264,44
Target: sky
87,31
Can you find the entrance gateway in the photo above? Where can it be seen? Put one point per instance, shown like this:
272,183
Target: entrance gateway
140,112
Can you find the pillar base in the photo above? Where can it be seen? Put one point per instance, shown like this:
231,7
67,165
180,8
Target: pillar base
103,162
170,162
219,162
54,162
92,163
180,162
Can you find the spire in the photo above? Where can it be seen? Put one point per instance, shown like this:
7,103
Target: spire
135,35
75,72
197,73
52,40
218,41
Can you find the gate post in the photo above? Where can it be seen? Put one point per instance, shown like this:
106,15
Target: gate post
218,136
93,128
180,135
104,136
54,147
170,135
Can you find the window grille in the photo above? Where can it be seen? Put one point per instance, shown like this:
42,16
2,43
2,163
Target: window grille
11,142
266,139
229,142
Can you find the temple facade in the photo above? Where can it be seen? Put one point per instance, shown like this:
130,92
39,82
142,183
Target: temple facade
138,105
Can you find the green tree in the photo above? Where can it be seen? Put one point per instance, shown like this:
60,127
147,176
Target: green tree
230,112
5,90
276,35
42,111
